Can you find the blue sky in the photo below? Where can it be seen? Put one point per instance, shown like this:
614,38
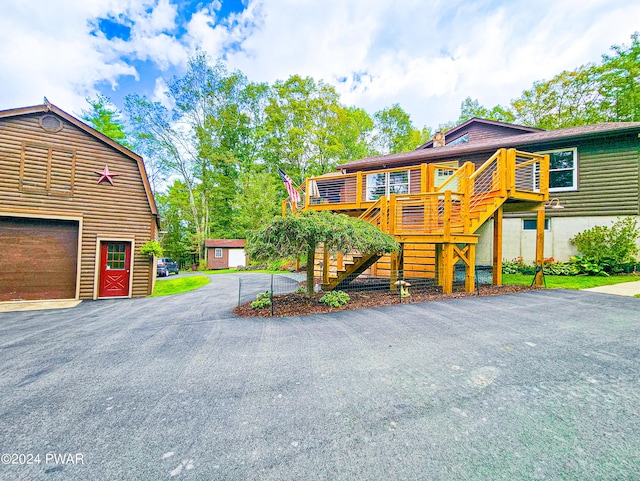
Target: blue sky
425,55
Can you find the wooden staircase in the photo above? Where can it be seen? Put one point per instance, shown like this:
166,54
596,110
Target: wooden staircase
451,214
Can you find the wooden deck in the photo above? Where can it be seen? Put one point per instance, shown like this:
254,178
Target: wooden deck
442,205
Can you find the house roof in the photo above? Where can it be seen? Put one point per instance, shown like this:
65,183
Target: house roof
491,145
228,243
49,107
475,120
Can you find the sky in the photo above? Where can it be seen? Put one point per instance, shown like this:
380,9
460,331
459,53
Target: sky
426,55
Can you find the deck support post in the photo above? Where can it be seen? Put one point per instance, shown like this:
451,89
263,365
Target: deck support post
439,264
470,269
325,265
393,274
497,248
447,268
539,279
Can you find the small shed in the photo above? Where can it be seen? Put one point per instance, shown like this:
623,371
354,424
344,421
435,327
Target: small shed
225,253
75,208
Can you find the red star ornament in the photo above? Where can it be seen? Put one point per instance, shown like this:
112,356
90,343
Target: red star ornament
105,175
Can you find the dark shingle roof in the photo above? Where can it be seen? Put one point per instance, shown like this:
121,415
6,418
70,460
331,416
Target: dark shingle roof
520,140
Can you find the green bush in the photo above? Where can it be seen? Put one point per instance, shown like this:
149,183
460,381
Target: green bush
262,300
554,268
588,265
151,248
517,266
610,248
335,298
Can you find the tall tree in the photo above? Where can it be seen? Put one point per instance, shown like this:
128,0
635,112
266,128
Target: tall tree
395,131
105,118
194,139
303,127
472,108
569,99
620,81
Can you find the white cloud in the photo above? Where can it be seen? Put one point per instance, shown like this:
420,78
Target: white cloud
427,56
48,51
430,57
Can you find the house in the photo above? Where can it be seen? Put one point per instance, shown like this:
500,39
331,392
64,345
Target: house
225,253
75,208
482,190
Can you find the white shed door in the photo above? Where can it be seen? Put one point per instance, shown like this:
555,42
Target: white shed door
236,258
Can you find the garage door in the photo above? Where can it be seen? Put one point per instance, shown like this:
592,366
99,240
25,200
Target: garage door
38,258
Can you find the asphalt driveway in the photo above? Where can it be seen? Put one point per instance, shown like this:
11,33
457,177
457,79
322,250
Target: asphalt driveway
537,385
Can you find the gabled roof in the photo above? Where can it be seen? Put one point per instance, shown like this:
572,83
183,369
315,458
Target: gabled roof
476,120
49,107
228,243
491,145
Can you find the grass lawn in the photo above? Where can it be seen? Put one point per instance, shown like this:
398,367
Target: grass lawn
178,285
569,282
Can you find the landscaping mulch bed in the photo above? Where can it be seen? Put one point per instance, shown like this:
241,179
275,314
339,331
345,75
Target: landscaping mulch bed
298,305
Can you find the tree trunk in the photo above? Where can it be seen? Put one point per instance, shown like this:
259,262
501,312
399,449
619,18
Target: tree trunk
311,254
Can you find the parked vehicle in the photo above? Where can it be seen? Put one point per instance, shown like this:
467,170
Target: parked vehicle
166,266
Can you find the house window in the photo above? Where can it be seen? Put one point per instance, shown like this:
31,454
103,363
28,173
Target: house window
217,253
463,139
530,224
386,183
563,169
116,255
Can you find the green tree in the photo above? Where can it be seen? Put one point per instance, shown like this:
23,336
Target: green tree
257,201
569,99
178,239
105,118
395,132
472,108
305,128
202,139
620,81
299,236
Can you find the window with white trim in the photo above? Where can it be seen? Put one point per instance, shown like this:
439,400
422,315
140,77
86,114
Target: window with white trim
563,169
217,253
386,183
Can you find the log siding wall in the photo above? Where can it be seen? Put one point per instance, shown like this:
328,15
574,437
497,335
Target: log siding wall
118,211
608,179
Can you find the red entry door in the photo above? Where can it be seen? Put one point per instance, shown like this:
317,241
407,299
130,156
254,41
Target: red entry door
115,262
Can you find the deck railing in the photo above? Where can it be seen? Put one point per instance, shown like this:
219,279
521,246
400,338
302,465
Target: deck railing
507,173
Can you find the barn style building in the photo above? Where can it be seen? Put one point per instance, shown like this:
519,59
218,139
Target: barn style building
75,208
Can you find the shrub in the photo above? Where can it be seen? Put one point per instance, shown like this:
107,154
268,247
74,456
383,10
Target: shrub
609,247
588,265
554,268
335,298
517,266
262,300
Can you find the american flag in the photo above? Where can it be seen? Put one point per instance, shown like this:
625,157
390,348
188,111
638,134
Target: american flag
294,195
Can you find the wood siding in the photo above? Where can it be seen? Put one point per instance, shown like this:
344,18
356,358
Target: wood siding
121,211
419,262
214,262
608,184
